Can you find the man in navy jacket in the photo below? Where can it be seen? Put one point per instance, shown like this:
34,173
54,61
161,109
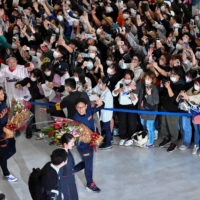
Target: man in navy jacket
84,115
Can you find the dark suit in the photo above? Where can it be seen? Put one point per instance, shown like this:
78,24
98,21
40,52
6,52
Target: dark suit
49,181
69,103
67,179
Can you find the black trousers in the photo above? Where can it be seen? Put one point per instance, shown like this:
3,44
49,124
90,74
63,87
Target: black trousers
127,122
6,151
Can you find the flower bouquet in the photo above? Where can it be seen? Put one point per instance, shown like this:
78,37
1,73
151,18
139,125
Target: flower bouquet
19,115
81,132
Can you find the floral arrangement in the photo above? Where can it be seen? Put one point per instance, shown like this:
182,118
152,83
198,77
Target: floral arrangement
19,115
81,132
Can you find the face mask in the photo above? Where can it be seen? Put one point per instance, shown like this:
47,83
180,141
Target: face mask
135,64
15,32
127,81
31,53
32,38
108,62
196,87
68,3
161,62
100,86
76,79
48,73
133,11
14,46
197,55
107,36
147,82
75,15
92,55
38,55
55,54
57,30
90,65
109,9
173,79
98,31
179,47
60,18
162,8
33,79
109,71
187,79
125,16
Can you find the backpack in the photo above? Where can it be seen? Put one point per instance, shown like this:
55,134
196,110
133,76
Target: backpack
34,183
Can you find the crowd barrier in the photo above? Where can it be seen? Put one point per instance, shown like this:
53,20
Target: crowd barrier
129,111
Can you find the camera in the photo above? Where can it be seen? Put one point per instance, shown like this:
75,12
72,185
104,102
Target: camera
165,80
111,44
116,30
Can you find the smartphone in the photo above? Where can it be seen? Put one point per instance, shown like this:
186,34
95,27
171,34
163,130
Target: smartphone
88,35
176,30
16,1
158,40
186,44
138,16
27,65
144,7
122,42
121,85
85,55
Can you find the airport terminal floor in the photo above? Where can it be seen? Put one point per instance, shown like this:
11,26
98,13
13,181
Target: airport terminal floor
122,173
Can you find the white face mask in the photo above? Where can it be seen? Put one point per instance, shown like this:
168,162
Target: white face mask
33,79
31,53
125,16
15,32
48,73
187,79
109,71
55,54
162,8
109,9
99,31
108,62
76,79
173,79
92,55
127,81
179,47
161,62
147,82
68,3
57,30
135,64
60,18
90,65
32,38
39,55
75,15
196,87
14,46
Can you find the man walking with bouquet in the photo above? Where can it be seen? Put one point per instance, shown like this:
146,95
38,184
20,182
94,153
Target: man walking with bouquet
7,141
84,115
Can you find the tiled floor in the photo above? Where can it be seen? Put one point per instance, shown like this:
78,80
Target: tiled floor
123,173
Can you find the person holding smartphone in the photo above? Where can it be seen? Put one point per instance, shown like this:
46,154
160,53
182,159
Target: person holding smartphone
128,99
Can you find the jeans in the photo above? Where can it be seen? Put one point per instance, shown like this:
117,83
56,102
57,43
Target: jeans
106,127
6,151
185,128
149,126
196,134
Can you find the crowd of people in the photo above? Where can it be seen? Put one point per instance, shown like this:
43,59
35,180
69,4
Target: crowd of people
135,55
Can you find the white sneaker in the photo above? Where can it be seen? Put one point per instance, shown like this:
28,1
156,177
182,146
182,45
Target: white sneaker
10,178
155,135
183,147
121,143
128,143
195,149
